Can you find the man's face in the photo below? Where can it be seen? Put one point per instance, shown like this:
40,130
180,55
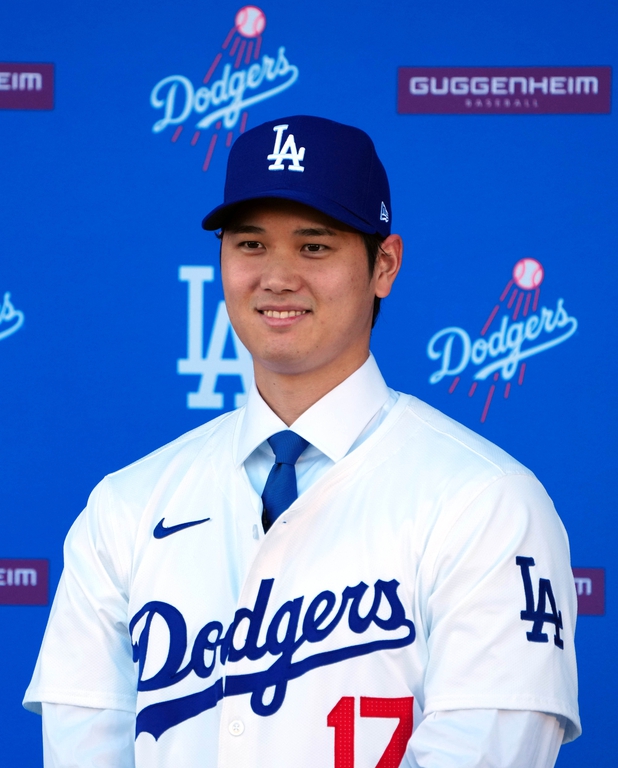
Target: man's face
298,289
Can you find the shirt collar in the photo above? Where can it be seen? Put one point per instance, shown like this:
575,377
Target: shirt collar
332,424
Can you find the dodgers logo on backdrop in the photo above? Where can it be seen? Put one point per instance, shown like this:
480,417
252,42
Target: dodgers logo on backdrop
523,329
220,104
11,319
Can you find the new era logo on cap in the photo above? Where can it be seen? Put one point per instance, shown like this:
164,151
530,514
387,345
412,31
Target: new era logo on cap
327,165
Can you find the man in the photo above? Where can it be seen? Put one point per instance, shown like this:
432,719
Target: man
335,575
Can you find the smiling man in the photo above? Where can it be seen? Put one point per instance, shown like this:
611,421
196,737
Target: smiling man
335,575
300,292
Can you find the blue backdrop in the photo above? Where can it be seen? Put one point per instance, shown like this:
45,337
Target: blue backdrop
100,210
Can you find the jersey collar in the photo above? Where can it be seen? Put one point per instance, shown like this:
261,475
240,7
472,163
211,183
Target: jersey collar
332,425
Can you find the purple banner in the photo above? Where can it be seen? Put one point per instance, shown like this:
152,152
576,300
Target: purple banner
504,90
26,86
590,586
24,582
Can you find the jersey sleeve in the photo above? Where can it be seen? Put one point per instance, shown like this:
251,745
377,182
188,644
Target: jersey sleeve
477,738
500,607
88,738
86,656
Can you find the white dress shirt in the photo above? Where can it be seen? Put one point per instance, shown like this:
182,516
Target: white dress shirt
333,427
80,737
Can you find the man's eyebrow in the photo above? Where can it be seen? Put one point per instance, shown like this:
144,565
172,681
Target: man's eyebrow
253,229
244,229
315,232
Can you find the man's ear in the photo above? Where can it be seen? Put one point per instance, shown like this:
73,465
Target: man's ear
388,264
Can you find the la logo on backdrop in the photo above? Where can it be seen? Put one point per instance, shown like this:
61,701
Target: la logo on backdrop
239,76
517,328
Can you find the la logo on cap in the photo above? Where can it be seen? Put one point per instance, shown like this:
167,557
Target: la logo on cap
287,152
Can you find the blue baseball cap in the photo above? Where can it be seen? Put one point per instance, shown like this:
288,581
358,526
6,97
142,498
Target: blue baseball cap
327,165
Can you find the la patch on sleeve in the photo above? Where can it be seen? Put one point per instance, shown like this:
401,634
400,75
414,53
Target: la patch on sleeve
539,616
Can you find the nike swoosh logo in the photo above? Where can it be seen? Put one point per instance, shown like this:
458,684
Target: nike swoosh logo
160,532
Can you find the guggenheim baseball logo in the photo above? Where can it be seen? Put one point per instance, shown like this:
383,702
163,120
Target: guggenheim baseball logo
517,328
504,90
239,76
26,86
24,582
590,587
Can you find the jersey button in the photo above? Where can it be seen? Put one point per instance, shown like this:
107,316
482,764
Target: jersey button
236,727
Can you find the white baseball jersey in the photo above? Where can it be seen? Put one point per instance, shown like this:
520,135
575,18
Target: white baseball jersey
426,571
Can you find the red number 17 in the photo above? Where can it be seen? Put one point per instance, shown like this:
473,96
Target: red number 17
341,718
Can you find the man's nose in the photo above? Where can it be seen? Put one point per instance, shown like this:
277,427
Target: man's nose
280,273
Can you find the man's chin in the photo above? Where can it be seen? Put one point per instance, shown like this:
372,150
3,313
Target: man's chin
285,365
286,362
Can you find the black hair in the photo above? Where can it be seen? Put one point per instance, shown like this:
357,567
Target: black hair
373,245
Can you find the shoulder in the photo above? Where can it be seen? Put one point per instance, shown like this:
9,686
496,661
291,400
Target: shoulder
451,447
125,494
125,500
443,464
210,441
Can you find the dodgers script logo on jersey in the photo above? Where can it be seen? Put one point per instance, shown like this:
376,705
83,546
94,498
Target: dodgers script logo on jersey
322,617
11,319
244,80
523,329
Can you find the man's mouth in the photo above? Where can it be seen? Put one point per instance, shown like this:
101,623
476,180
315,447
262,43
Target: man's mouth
282,314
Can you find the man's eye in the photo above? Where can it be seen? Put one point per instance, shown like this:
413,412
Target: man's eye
315,247
252,244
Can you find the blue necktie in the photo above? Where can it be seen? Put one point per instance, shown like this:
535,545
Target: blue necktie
280,489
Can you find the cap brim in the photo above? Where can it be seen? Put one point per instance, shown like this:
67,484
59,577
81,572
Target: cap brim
217,217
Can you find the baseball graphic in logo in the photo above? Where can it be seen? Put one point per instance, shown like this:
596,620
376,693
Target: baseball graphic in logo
528,274
250,21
